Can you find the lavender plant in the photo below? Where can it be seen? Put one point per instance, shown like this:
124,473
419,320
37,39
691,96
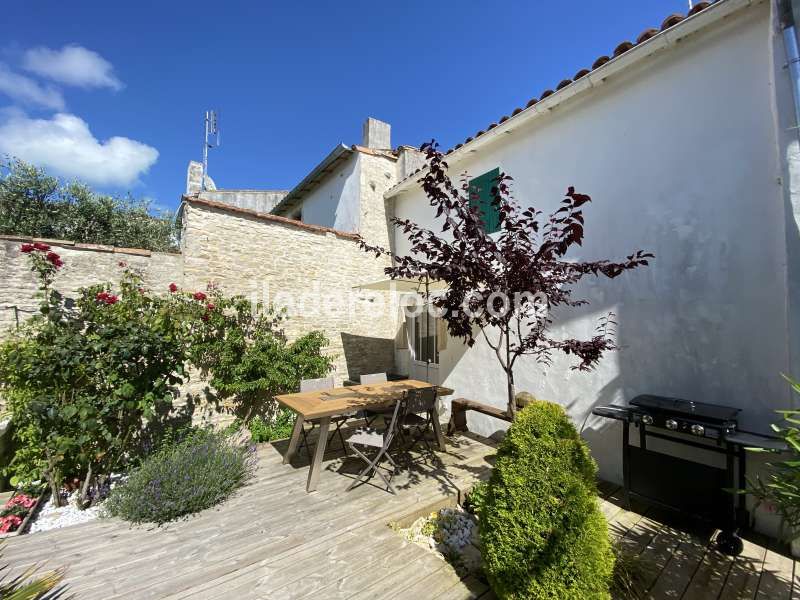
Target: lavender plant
187,477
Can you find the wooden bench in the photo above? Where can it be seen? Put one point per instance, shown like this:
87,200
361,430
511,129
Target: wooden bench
458,414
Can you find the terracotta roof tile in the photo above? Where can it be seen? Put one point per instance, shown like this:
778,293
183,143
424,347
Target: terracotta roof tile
503,119
646,35
698,7
621,49
671,20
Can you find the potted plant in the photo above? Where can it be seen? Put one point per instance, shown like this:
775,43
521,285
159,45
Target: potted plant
780,483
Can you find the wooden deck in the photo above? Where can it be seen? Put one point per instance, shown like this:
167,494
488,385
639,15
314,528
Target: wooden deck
275,541
680,562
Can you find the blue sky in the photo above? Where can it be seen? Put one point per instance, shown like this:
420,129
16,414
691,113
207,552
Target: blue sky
290,80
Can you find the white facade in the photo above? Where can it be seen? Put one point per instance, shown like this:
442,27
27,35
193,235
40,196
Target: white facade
685,156
336,201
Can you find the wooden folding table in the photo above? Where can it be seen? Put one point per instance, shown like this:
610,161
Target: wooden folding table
324,404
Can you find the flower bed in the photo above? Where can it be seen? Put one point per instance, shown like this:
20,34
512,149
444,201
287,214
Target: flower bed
16,514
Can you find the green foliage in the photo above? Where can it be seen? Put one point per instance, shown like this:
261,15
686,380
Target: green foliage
35,204
632,572
245,353
781,486
29,586
542,531
264,429
476,498
82,381
181,479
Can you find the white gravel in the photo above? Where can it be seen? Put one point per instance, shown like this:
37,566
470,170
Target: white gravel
52,517
452,534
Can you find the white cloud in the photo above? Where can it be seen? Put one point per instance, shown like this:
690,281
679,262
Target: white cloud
72,65
27,91
65,145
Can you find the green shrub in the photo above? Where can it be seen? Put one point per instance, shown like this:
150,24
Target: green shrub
195,474
266,429
542,531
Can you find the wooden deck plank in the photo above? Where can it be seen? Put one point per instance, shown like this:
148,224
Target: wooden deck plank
745,573
776,576
710,576
468,589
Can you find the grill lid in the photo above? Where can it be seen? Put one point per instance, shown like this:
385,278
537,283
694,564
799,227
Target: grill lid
685,408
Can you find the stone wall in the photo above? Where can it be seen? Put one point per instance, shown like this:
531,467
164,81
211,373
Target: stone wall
313,270
84,264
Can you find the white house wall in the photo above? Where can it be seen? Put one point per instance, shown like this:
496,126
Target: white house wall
679,154
335,203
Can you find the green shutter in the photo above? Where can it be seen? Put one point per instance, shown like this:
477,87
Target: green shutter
480,192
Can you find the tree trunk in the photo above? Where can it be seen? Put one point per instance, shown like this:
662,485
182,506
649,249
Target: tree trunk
512,393
512,400
54,481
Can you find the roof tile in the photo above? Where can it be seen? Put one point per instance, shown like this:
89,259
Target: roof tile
622,48
546,93
563,83
671,20
646,35
600,62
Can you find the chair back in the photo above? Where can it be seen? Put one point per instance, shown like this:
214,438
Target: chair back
418,401
374,378
312,385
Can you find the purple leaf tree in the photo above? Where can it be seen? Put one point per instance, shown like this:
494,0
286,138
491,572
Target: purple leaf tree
504,286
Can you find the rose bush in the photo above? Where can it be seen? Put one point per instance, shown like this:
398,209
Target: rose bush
90,382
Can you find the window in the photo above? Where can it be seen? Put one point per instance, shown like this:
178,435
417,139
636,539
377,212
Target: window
425,346
480,196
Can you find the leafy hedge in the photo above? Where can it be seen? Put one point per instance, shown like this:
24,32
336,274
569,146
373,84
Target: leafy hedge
35,204
194,474
542,531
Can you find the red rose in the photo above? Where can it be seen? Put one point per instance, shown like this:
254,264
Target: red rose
41,247
173,288
26,248
101,296
111,299
199,296
204,317
210,306
53,257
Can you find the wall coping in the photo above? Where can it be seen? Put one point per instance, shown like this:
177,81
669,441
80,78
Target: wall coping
270,217
82,246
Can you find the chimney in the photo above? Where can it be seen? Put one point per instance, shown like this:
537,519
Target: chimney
377,134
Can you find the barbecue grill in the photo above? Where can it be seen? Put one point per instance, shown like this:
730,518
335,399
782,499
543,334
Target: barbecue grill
688,486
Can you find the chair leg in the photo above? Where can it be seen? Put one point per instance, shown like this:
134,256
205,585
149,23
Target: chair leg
373,466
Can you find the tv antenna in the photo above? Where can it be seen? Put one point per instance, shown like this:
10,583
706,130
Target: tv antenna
211,140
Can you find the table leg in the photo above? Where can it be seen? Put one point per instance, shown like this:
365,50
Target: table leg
319,452
437,429
294,440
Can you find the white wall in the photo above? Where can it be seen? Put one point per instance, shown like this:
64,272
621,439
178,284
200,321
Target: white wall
335,202
679,154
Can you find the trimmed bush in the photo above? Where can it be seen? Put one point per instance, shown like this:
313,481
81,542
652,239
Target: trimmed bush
542,531
196,473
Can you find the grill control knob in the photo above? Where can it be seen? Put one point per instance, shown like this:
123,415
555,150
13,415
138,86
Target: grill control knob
671,424
647,419
698,429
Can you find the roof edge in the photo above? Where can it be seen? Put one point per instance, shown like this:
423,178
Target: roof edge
268,217
674,28
310,181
